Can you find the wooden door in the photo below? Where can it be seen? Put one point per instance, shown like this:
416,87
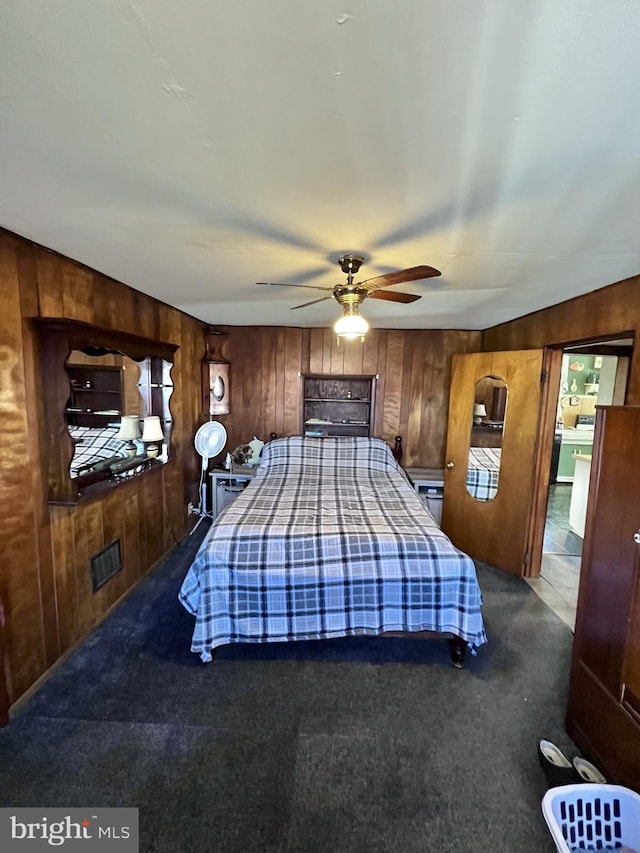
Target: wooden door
603,715
499,531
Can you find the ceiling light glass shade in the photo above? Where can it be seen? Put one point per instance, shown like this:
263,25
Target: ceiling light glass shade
351,325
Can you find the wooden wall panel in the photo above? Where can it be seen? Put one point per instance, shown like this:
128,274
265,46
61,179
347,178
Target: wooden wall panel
296,355
377,358
605,313
19,587
78,295
393,368
412,392
45,583
133,566
65,576
112,530
82,552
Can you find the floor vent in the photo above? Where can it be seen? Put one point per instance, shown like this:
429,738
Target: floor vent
105,564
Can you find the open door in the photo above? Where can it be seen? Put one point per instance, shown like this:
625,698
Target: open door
498,456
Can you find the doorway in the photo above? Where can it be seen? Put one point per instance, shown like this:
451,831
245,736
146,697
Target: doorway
592,374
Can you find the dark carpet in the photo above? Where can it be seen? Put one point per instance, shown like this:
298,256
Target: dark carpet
344,745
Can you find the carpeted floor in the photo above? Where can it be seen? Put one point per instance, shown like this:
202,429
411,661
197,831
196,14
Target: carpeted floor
346,745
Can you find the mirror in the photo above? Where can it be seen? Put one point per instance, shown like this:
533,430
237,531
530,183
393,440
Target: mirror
105,406
485,441
218,387
103,388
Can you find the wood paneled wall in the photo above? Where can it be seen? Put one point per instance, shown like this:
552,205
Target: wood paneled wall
608,312
45,583
412,395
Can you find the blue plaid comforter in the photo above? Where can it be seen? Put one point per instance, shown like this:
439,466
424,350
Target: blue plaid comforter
483,472
328,540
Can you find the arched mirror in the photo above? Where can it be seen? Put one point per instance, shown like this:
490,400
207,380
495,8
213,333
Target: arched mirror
105,406
488,419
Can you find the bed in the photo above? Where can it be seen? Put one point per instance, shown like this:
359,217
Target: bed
483,472
94,444
329,540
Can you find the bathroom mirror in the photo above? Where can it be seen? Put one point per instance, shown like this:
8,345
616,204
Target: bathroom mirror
488,418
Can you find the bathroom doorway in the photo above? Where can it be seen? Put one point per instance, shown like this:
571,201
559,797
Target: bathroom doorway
593,373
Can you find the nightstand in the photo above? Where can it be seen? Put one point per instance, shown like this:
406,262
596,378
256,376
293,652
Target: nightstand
429,483
227,485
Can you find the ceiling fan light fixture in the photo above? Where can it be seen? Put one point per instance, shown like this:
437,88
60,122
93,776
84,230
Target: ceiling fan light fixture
351,325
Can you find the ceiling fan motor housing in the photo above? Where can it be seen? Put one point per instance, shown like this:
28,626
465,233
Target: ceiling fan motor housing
350,264
347,295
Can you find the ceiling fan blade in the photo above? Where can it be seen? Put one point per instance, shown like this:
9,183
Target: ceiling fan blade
394,296
410,274
278,284
313,302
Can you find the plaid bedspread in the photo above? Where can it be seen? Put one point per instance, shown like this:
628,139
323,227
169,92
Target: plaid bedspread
93,444
328,540
483,472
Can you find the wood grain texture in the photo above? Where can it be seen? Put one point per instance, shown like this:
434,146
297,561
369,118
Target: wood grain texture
603,720
45,583
493,531
412,389
608,313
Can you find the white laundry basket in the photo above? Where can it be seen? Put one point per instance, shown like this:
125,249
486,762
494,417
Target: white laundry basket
592,817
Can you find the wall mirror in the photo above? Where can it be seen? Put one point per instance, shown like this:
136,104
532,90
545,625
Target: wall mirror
105,406
488,418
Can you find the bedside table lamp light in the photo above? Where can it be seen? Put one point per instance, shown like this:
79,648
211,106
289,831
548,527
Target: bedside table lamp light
479,412
129,430
152,435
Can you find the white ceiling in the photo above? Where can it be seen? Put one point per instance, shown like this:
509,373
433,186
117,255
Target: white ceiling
193,148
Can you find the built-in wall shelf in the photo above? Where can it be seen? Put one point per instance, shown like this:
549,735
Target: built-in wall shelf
337,405
96,394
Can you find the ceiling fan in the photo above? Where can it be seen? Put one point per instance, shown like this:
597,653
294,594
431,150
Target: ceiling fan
351,295
371,288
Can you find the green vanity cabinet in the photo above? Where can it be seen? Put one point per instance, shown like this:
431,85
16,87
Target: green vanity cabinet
566,463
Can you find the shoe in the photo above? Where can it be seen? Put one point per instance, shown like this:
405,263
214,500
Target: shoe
557,767
587,772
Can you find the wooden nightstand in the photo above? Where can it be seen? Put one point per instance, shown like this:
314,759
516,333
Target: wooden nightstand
429,482
227,485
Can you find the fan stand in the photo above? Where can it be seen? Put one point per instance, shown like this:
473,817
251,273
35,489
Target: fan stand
209,441
202,510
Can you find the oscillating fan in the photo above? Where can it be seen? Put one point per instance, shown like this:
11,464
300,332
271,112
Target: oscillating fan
209,442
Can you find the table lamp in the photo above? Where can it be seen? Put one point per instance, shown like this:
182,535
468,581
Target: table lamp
152,436
479,412
129,429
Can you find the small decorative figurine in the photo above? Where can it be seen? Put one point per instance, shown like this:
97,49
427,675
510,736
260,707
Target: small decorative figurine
256,447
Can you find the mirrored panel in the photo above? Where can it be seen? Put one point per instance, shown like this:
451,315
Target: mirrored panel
112,383
104,410
488,419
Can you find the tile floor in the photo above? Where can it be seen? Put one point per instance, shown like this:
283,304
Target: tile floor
561,556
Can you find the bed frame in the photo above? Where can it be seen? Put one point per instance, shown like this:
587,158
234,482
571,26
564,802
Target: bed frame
457,646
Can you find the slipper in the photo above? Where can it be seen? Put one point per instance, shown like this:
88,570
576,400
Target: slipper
557,767
588,772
